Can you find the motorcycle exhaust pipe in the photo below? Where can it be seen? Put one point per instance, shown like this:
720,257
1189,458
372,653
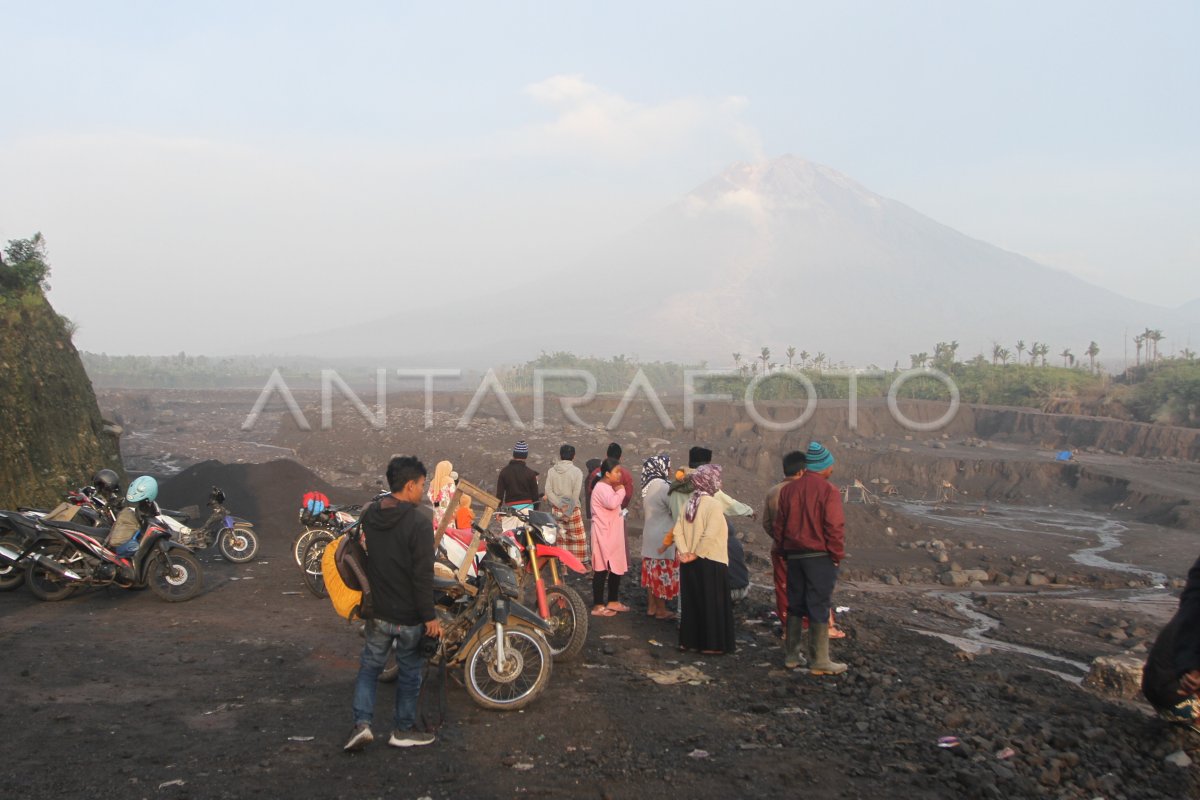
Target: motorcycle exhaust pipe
8,555
55,567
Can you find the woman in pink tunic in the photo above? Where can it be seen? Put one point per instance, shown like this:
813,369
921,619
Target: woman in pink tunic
609,561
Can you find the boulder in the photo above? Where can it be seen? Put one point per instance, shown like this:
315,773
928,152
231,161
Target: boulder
1116,676
1037,579
954,578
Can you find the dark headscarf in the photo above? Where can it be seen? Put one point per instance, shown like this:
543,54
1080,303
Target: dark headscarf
658,466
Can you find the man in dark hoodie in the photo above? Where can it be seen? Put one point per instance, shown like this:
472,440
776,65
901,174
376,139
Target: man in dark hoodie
518,484
400,571
1171,677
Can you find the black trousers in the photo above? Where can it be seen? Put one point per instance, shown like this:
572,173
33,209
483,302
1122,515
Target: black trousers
599,579
810,583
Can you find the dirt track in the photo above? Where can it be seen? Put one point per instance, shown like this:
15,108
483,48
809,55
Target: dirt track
212,692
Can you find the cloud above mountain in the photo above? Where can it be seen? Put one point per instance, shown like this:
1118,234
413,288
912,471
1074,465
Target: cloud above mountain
596,122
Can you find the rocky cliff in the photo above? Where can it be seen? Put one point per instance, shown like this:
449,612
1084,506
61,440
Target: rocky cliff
52,437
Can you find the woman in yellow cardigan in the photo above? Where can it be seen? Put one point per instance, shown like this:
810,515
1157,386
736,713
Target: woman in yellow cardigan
701,540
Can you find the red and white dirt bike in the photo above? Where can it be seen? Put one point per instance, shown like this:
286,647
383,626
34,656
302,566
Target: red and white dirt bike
536,534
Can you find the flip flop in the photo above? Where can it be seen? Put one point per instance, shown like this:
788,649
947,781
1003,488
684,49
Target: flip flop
667,616
619,607
603,612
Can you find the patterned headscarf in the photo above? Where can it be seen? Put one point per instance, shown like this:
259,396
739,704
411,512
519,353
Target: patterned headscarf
706,481
658,466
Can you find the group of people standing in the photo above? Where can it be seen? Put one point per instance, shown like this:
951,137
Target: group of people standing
687,548
689,551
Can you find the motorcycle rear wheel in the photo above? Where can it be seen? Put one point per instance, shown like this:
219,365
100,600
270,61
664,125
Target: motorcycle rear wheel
12,575
175,576
238,544
44,584
522,677
311,566
569,621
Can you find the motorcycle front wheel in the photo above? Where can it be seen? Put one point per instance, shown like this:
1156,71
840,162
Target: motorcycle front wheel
45,584
517,681
568,620
12,575
238,545
175,575
302,542
311,567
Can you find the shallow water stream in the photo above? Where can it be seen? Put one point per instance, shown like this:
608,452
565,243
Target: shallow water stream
1095,533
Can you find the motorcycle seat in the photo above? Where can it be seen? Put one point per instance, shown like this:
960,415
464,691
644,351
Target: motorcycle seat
444,584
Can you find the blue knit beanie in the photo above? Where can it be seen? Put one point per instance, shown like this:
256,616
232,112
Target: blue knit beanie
818,458
521,450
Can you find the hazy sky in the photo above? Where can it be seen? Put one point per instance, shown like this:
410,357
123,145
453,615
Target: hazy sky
212,175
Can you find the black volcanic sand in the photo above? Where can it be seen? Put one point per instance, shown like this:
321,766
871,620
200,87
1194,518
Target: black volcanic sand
267,494
245,691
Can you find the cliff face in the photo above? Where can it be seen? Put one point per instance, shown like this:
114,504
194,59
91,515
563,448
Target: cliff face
51,435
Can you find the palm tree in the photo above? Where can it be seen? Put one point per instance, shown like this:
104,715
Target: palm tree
804,356
1187,354
1038,350
765,356
818,360
791,354
1020,349
996,350
1066,354
737,361
919,359
1092,351
1138,341
1005,353
1156,336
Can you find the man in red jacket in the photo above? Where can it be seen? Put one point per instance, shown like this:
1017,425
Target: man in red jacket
809,530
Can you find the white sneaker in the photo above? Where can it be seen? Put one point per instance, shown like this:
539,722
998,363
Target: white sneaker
411,738
360,738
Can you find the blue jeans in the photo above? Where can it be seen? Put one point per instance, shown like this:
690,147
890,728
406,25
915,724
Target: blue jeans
380,635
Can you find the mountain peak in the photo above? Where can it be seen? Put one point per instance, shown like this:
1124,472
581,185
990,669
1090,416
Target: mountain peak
785,183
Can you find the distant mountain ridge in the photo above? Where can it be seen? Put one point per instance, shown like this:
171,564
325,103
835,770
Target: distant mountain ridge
787,252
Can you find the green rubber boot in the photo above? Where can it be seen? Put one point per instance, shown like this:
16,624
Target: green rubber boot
793,645
819,648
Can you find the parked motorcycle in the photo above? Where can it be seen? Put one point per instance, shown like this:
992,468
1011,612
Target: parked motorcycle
560,605
330,519
70,557
234,536
20,536
500,643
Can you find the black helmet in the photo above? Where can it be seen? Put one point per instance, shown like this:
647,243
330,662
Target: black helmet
107,481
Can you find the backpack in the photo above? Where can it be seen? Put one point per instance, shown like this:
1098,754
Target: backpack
344,569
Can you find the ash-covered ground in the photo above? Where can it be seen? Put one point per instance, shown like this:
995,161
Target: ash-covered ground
982,580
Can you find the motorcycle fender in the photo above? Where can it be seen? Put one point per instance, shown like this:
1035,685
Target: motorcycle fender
238,522
546,551
528,615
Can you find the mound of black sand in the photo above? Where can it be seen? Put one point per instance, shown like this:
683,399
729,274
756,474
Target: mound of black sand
266,494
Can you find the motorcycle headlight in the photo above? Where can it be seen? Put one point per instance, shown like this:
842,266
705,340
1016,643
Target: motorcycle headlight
549,534
513,552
